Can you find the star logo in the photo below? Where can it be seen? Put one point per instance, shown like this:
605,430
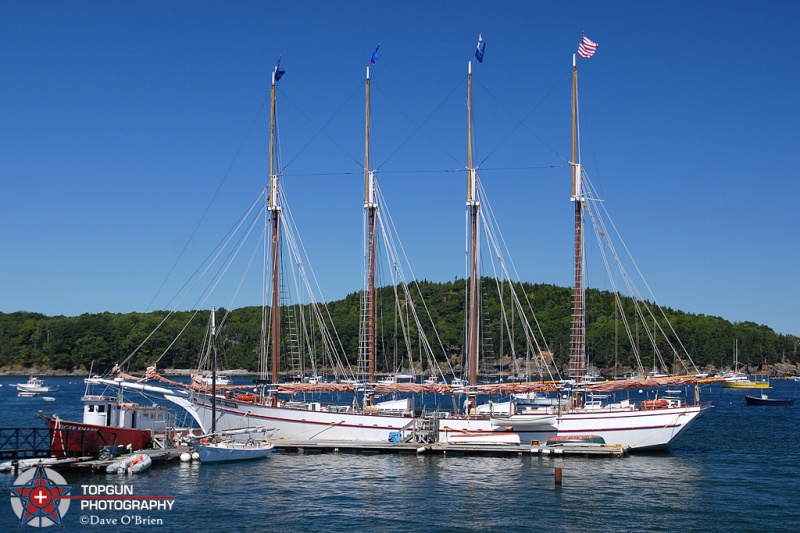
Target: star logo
39,497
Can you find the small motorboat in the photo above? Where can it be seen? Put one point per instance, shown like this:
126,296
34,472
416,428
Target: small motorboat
765,400
37,385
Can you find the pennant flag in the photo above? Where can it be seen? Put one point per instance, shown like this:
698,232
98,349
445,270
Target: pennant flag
586,48
278,72
481,49
374,56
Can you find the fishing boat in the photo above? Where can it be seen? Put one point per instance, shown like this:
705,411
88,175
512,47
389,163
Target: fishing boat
574,405
112,420
36,385
766,400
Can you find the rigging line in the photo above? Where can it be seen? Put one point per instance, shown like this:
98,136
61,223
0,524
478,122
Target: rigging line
210,258
321,129
175,301
208,207
399,247
427,171
419,127
521,122
302,260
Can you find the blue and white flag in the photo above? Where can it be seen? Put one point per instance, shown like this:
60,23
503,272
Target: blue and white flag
374,56
278,72
481,49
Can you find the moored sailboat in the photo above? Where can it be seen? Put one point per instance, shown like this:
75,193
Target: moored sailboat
625,422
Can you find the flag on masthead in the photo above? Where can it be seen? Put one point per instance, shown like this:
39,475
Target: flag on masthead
278,72
481,48
586,48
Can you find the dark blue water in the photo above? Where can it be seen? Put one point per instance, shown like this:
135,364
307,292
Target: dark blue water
738,469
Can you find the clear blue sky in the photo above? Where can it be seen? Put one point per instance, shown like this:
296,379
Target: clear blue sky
122,122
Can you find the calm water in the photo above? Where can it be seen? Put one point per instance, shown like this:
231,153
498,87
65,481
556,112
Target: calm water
738,469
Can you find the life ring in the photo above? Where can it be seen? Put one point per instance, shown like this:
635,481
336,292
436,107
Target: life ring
246,397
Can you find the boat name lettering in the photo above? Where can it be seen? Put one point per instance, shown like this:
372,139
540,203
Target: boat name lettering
67,425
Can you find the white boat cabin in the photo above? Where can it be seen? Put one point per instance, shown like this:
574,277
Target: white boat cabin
109,411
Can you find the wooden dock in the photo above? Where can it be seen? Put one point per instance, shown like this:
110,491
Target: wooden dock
495,450
93,464
157,455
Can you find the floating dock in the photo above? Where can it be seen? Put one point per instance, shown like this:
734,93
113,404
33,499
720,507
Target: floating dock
495,450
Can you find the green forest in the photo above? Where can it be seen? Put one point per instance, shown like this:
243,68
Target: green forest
35,341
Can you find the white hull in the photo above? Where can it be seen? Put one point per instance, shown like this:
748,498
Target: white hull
37,386
630,428
296,423
652,429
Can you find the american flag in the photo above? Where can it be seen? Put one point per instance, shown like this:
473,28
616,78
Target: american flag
586,48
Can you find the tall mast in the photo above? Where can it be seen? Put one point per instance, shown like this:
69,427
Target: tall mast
473,206
213,372
275,211
372,207
577,358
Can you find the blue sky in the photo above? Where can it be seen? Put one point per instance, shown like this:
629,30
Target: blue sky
122,123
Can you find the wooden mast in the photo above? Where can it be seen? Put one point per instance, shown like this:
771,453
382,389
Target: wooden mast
577,360
372,207
213,372
473,206
275,211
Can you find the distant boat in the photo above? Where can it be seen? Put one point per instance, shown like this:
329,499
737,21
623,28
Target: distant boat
222,379
48,398
797,378
765,400
37,385
752,382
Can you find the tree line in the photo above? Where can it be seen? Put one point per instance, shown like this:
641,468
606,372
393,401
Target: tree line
33,340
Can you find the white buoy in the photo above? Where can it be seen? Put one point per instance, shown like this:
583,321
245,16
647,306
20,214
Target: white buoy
195,456
186,457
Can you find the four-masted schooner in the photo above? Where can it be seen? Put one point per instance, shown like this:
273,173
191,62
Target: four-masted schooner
571,413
